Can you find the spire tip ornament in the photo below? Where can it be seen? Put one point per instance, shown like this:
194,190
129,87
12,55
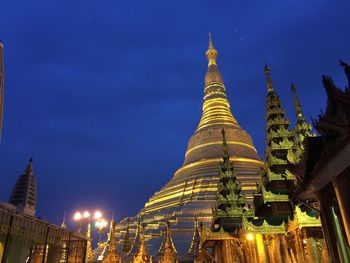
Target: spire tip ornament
268,78
211,53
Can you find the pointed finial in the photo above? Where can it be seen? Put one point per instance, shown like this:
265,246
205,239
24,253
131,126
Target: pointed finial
211,52
297,105
63,225
267,69
224,143
210,41
29,169
268,78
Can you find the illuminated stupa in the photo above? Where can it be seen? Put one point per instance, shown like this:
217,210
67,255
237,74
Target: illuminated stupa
193,188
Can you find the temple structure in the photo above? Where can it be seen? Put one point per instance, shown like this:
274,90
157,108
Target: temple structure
225,205
26,238
193,188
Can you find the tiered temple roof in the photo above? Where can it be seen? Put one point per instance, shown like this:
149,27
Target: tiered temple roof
272,201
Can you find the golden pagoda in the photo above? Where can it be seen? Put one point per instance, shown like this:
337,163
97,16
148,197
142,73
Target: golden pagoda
193,188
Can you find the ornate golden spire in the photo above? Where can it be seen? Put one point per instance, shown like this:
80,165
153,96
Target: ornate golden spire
216,108
268,78
211,53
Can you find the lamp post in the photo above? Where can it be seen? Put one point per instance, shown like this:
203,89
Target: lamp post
78,217
85,217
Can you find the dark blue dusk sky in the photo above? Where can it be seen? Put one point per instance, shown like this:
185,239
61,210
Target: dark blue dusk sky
106,94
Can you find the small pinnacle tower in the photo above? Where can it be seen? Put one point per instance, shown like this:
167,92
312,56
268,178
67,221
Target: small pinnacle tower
1,85
126,242
24,192
272,200
112,254
64,225
228,212
301,130
167,250
196,239
142,256
135,248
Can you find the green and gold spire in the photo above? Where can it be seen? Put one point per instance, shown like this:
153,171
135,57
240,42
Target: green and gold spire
301,130
269,84
272,200
230,202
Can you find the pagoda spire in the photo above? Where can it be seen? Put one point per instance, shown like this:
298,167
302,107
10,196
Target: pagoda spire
64,225
135,247
167,250
224,144
216,107
142,256
230,202
112,254
24,192
269,84
273,197
297,105
211,53
301,130
126,242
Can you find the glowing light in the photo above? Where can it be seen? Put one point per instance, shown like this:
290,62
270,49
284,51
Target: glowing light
77,216
86,214
101,224
304,241
250,236
97,215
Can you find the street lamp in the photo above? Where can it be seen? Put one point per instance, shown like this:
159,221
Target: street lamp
97,215
77,217
85,217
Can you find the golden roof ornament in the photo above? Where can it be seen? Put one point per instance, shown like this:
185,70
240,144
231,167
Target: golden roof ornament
211,53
